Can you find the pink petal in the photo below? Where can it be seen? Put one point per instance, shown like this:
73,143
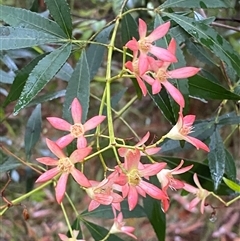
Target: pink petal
61,187
80,178
202,206
152,151
63,237
93,205
156,87
142,28
152,190
55,149
65,140
163,54
76,110
182,170
195,178
177,184
132,44
132,159
81,142
194,203
141,85
103,198
184,72
143,140
172,46
159,32
79,154
149,79
48,161
93,122
190,188
127,230
122,151
142,64
175,93
132,198
188,120
48,175
129,65
197,143
59,123
152,169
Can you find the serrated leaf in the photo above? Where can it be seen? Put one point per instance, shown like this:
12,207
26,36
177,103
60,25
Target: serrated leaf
20,80
230,166
179,34
234,186
208,37
79,87
104,211
47,97
195,4
42,73
19,17
204,88
60,11
17,38
156,216
33,130
216,158
8,164
98,232
95,52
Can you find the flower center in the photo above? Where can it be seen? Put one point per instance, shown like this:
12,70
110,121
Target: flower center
65,165
144,45
135,67
185,130
162,75
77,130
133,177
202,193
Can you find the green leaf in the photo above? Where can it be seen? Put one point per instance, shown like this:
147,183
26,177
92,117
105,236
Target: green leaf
95,52
79,87
6,78
216,158
76,226
19,17
41,74
195,4
234,186
33,130
65,72
204,88
208,37
47,97
179,34
161,100
20,80
16,38
199,52
60,11
8,164
104,211
230,166
156,216
98,232
229,119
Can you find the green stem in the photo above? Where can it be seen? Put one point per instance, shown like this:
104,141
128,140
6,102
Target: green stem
67,220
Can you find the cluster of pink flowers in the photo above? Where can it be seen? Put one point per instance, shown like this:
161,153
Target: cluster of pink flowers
130,179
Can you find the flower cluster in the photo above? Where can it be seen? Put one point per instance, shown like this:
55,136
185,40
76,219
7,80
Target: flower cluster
130,178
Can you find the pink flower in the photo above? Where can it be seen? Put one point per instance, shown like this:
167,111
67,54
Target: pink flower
64,167
184,127
149,151
200,193
132,181
161,75
63,237
104,193
165,177
118,227
77,130
145,46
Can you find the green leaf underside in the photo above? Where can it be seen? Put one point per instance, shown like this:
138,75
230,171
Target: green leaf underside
17,38
18,17
208,37
6,78
60,11
204,88
196,4
79,87
8,164
20,80
43,72
216,158
33,130
230,166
